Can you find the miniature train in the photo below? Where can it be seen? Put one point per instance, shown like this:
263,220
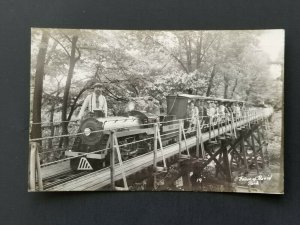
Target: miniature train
131,129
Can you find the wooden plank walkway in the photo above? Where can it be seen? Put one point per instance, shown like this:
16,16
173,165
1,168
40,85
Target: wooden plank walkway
55,169
98,179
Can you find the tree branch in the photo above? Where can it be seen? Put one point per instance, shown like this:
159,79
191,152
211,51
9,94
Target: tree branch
76,47
172,54
60,45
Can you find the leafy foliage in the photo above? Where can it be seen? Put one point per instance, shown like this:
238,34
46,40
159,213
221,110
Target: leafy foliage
154,63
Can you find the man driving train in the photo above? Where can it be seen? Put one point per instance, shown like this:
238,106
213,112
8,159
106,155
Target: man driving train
95,102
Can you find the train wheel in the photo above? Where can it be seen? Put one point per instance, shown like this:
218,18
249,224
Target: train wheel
125,157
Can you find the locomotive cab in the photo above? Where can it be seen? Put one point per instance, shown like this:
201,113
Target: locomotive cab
177,105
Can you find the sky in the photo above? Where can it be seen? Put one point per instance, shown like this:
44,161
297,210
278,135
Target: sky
272,43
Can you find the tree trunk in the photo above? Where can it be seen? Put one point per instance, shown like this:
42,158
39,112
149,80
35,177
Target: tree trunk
188,53
36,131
213,72
50,54
52,110
211,79
73,61
51,124
226,90
248,91
199,51
226,86
234,87
74,105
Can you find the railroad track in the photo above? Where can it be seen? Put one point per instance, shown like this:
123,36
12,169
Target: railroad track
64,175
52,181
98,179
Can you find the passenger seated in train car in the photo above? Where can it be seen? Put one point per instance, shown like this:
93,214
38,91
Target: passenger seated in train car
196,111
238,110
216,106
193,113
200,105
151,107
221,111
163,106
130,105
210,109
188,109
228,106
95,102
226,112
190,91
242,108
205,112
233,109
228,109
211,112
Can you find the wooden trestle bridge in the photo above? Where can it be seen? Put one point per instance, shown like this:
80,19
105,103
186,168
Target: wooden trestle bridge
238,144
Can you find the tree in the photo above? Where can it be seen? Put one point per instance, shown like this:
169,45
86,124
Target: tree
73,60
150,63
36,131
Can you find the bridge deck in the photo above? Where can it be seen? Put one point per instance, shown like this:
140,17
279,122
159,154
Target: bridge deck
55,169
98,179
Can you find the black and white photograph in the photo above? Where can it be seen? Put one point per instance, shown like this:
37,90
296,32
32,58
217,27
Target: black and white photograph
156,110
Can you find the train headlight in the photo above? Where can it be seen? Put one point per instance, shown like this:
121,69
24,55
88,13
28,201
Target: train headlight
87,131
90,131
